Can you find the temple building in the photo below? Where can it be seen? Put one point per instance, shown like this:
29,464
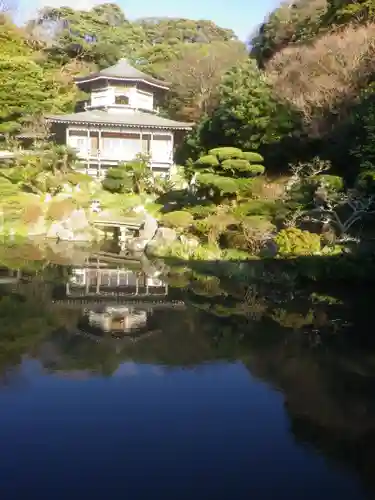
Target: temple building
120,120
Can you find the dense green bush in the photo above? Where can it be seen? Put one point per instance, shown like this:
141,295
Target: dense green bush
224,173
252,157
225,153
256,170
331,182
209,160
178,220
201,211
236,165
295,242
117,180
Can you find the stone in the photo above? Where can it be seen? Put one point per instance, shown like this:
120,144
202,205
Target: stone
149,228
137,244
58,231
165,235
38,228
77,220
189,242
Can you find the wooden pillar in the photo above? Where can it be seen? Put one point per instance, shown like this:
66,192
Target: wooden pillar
98,281
67,136
87,282
88,151
151,143
98,153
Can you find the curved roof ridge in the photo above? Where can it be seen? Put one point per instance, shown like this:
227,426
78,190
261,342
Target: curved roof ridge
123,70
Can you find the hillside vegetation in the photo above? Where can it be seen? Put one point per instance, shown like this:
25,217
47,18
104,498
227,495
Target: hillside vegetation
281,160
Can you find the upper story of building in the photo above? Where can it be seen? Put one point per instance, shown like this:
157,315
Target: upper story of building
123,88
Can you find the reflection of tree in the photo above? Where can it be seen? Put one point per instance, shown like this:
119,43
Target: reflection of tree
317,352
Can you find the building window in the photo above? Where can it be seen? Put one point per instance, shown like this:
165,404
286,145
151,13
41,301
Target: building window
122,99
146,144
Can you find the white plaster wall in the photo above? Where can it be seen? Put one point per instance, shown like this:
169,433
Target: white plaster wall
104,97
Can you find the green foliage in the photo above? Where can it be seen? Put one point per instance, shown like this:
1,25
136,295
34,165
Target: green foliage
252,157
208,161
132,177
222,185
223,172
332,183
28,87
236,165
179,220
201,211
294,242
225,153
247,116
256,170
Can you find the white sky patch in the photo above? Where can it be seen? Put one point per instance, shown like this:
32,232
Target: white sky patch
27,9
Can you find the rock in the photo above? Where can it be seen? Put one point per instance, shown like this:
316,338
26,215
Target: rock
165,235
149,228
189,242
38,228
137,244
59,231
78,221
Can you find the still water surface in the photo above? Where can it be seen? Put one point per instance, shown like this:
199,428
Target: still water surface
118,382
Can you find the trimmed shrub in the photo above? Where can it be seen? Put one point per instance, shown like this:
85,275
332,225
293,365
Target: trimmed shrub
178,220
75,178
257,170
201,211
252,157
331,182
293,242
225,153
236,164
234,240
60,209
116,173
209,160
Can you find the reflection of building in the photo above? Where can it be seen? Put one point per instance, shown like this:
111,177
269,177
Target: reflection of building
117,319
101,282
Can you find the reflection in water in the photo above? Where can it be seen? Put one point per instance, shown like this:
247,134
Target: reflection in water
119,361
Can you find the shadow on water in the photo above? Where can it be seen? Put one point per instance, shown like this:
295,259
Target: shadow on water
312,342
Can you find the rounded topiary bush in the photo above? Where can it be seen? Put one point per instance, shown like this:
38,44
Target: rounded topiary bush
331,182
209,160
178,220
234,239
236,164
252,157
116,173
256,170
295,242
225,153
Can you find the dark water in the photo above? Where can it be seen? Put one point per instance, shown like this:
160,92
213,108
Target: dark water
121,382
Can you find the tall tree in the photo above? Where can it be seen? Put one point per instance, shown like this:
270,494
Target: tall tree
248,115
195,74
28,89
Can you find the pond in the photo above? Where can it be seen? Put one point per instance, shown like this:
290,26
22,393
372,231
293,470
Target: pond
125,378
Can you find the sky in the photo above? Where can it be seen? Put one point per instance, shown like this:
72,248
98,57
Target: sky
240,15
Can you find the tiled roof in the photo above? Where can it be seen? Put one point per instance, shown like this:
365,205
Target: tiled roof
117,119
123,70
